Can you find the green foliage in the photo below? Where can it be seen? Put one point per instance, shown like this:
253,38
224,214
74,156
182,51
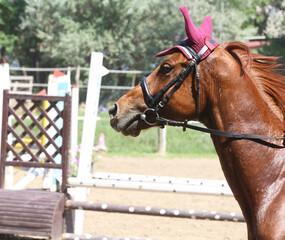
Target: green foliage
65,32
274,30
57,33
10,18
276,48
68,31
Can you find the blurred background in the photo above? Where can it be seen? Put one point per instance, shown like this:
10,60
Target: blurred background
37,36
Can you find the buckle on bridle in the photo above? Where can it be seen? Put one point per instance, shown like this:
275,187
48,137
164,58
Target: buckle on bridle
149,116
161,104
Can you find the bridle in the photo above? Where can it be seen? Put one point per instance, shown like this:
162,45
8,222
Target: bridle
153,103
151,116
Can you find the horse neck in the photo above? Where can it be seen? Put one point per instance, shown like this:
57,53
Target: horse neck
234,104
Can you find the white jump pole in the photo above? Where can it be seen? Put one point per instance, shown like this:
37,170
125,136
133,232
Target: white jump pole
160,179
152,186
31,176
97,71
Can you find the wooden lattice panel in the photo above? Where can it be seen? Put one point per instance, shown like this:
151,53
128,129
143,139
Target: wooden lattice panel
35,131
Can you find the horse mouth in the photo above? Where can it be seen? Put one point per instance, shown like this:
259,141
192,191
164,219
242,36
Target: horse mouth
128,124
131,127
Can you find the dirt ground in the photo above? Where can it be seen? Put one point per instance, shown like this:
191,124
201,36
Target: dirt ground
163,228
160,228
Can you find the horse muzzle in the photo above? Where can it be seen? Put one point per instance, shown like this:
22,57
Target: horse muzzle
127,121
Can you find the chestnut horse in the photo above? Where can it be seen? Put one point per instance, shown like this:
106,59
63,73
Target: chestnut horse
240,93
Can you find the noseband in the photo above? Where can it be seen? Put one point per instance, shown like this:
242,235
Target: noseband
151,117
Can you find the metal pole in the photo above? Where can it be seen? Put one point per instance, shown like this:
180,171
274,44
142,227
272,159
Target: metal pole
156,211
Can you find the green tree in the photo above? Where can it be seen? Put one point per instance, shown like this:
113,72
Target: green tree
67,32
10,18
128,32
273,28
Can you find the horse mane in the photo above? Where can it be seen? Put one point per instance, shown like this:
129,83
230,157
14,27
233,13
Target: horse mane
263,70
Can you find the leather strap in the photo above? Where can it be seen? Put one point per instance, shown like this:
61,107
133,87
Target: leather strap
152,101
258,138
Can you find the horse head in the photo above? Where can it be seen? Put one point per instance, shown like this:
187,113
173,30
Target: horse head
231,90
172,89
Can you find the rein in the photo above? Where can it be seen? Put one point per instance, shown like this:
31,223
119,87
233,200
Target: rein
151,116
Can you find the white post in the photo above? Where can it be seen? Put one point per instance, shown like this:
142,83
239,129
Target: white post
5,84
97,70
74,120
162,140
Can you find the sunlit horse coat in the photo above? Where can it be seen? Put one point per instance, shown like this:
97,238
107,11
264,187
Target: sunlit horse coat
240,92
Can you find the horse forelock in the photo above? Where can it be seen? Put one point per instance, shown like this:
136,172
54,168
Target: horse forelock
264,71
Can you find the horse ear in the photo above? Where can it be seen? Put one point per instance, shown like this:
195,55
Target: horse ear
192,32
207,27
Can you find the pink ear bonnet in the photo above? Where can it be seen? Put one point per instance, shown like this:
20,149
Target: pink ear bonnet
200,40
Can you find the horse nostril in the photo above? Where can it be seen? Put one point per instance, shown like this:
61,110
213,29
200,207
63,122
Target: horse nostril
113,110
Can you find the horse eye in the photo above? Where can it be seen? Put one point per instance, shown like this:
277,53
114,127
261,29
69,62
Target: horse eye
166,68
